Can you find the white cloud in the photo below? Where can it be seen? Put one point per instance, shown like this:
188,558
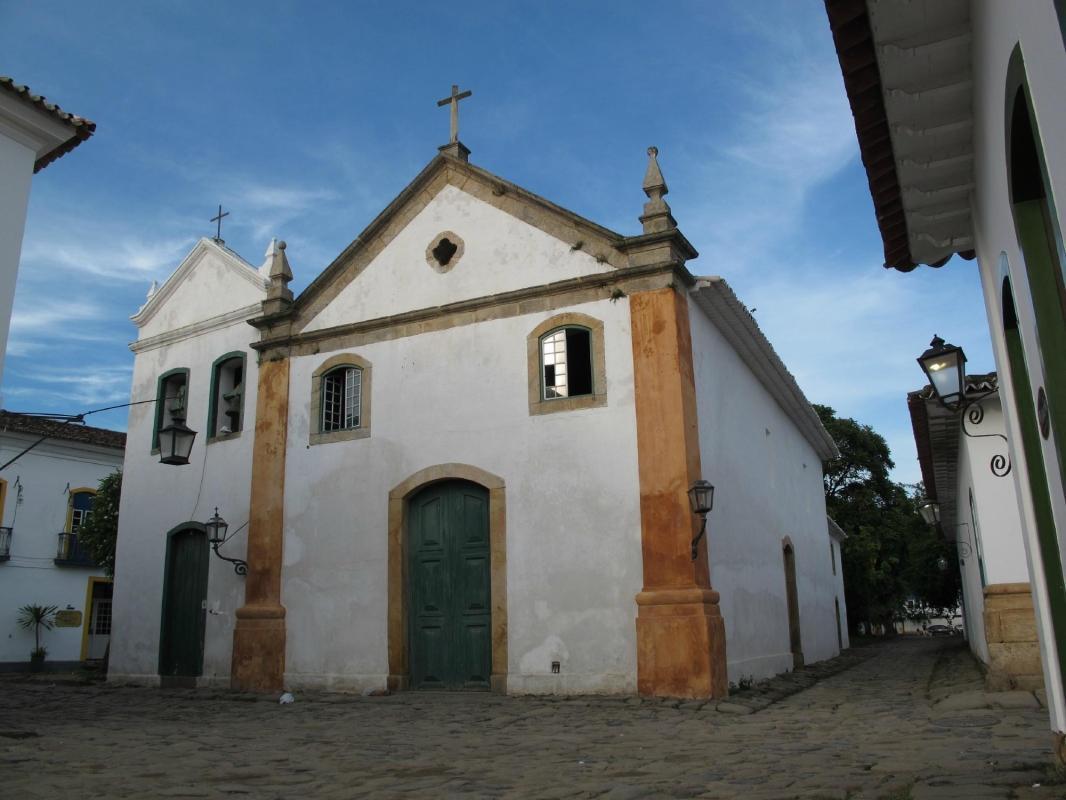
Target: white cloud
74,387
92,247
794,132
55,317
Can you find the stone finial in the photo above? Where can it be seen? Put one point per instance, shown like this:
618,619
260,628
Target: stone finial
656,216
279,273
152,290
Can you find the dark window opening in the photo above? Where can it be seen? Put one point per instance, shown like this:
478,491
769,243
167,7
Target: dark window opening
1026,176
227,397
566,357
444,251
171,402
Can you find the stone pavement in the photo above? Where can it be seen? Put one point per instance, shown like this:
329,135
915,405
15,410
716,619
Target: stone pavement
889,727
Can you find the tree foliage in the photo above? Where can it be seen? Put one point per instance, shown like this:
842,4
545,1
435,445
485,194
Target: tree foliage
99,530
892,559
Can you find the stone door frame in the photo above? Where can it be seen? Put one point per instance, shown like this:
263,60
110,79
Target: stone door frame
399,664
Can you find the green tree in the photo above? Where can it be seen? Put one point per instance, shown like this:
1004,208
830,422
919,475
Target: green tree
99,530
890,556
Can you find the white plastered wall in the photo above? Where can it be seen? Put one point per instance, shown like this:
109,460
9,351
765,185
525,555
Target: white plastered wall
157,497
45,476
16,171
768,485
501,253
992,534
997,29
572,495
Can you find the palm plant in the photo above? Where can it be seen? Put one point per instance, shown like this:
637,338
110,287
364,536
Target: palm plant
37,617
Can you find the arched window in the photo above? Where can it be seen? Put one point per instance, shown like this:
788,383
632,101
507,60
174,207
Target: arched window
567,368
340,399
226,413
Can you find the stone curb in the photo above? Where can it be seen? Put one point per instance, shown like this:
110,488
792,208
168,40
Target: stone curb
765,693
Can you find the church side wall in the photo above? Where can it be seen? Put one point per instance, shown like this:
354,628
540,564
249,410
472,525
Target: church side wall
768,485
572,506
157,497
997,29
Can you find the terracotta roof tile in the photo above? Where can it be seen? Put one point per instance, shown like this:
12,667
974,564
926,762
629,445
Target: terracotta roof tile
13,422
82,128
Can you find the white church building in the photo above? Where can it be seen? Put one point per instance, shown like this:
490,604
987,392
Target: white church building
461,458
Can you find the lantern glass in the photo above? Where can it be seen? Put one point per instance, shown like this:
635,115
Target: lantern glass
216,529
930,512
175,443
945,366
701,496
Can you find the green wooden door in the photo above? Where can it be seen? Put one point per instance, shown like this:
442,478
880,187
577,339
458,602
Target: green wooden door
448,573
184,605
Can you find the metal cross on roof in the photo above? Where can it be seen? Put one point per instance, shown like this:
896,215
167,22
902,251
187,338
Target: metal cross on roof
218,219
454,99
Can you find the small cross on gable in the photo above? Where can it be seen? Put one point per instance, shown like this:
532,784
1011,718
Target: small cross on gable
454,99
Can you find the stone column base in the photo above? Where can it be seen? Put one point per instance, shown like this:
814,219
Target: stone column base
680,644
1010,631
259,649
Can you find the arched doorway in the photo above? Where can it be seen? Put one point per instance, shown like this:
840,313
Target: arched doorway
411,499
449,587
792,597
1041,245
181,639
1034,461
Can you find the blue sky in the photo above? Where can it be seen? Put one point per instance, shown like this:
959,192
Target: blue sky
305,119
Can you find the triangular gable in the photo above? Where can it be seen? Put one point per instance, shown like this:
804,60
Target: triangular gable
576,232
247,286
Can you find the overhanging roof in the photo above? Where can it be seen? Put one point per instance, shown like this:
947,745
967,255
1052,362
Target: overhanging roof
13,422
906,69
80,128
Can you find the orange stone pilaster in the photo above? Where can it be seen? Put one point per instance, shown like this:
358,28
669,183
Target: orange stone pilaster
259,636
680,630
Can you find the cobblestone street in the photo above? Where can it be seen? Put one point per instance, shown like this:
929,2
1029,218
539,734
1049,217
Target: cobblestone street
906,722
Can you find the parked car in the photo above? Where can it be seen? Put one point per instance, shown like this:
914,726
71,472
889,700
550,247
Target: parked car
939,630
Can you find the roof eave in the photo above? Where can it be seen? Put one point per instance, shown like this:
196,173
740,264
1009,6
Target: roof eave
718,301
856,46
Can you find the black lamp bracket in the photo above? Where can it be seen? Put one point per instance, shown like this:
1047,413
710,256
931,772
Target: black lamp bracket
973,412
696,541
240,566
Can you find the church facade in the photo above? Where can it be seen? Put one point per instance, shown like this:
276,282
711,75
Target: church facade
461,458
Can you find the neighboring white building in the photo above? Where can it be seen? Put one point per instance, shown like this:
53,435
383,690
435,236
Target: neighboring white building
960,110
836,559
43,497
33,134
967,472
461,458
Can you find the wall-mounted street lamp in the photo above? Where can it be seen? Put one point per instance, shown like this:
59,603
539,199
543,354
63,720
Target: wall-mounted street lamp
701,498
930,511
965,551
217,528
945,366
